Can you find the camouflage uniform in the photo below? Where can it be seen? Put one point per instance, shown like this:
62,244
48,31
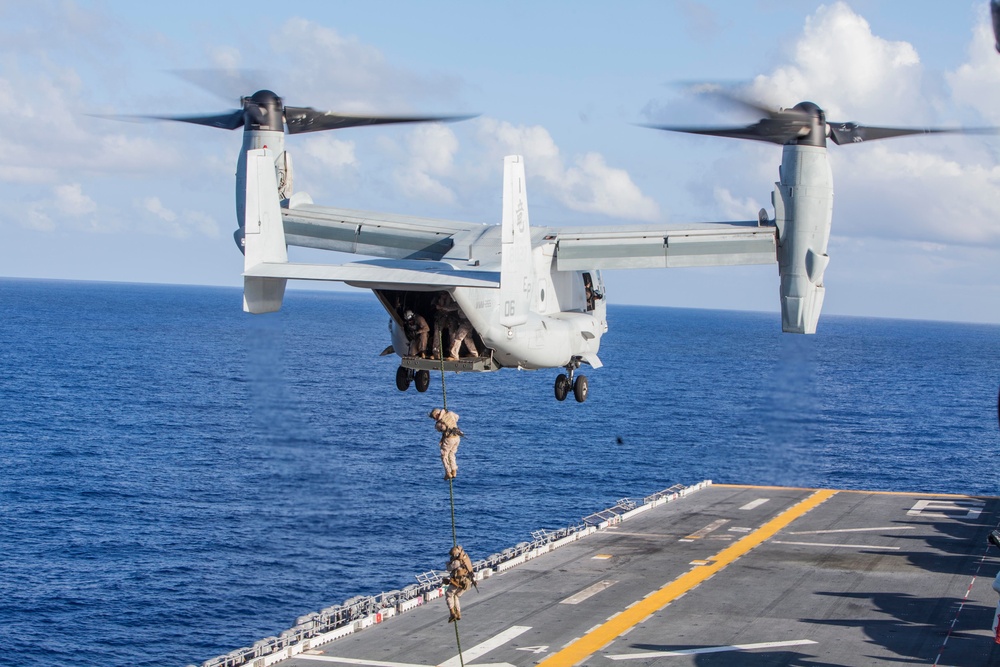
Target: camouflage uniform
460,578
461,328
444,308
417,331
446,422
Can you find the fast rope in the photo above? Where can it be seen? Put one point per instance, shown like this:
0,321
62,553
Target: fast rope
451,484
444,400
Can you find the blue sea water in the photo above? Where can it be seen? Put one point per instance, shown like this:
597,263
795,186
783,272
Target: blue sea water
180,479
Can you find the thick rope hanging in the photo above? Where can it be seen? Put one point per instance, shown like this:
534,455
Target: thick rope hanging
458,642
444,389
451,493
444,399
451,483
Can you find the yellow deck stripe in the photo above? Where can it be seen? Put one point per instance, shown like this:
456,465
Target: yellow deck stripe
601,636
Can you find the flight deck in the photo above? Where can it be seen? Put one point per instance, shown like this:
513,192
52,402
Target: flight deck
725,575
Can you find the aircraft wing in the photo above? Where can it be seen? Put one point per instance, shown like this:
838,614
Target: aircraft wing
380,274
373,234
664,246
605,247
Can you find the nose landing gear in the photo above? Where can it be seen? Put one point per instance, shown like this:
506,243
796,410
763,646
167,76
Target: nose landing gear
422,379
564,382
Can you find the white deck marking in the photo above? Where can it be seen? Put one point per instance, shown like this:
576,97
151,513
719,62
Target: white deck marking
850,530
710,649
715,525
487,646
534,649
973,508
355,661
844,546
754,504
588,592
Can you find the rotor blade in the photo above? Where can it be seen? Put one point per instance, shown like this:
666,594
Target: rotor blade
307,119
726,96
226,121
853,133
772,131
229,84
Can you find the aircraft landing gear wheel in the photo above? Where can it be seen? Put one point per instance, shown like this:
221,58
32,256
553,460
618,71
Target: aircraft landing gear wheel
562,387
402,378
422,380
580,388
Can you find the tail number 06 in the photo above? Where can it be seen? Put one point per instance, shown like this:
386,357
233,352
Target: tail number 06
508,308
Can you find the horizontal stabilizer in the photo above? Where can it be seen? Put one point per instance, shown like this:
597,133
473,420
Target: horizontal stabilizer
381,273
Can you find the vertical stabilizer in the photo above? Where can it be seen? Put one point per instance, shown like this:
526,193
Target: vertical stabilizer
264,234
517,274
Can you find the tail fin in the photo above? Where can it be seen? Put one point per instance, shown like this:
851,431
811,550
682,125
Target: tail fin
517,274
264,234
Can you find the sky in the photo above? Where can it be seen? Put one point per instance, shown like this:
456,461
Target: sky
916,223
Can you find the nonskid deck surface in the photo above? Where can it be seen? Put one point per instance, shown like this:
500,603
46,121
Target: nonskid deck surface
729,575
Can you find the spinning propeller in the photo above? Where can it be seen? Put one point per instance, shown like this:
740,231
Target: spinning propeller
266,111
806,124
264,119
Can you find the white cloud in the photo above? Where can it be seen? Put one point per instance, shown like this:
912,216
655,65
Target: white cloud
170,223
734,208
341,73
330,152
202,223
850,72
71,201
431,149
917,195
60,206
36,218
24,175
155,206
939,190
226,58
976,83
48,126
594,187
589,186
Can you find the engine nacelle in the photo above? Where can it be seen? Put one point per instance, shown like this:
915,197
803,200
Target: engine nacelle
803,212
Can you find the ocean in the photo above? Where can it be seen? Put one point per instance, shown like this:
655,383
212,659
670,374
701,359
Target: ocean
180,479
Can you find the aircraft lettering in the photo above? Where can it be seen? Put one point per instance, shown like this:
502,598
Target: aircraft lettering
534,649
520,215
508,308
484,304
527,285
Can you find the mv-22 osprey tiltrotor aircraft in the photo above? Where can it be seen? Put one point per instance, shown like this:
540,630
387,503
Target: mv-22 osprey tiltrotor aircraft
527,297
